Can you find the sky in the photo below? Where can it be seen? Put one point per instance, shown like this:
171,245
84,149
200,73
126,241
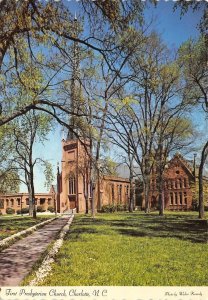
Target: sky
173,29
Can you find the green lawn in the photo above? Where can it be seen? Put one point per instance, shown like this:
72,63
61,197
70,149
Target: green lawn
132,250
12,224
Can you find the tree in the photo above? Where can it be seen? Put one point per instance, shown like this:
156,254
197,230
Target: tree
26,132
9,179
193,57
49,26
152,112
195,5
175,134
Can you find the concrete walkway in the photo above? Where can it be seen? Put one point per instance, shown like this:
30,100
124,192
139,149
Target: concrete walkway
17,260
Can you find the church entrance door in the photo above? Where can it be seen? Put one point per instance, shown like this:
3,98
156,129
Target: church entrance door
72,201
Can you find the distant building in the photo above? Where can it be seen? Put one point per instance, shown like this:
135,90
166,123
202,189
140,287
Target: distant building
180,183
18,201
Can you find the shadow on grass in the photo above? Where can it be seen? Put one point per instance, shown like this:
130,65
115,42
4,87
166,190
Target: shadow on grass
15,224
184,226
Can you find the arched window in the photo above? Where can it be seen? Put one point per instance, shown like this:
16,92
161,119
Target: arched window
176,198
185,198
180,198
112,192
171,198
72,184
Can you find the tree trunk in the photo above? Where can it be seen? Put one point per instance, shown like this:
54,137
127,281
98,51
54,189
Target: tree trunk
86,192
201,168
161,196
33,199
98,190
146,195
93,201
131,199
30,198
32,190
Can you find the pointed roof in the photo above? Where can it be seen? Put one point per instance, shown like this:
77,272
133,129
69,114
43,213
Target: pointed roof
183,161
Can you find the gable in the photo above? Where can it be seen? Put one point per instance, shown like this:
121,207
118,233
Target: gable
178,167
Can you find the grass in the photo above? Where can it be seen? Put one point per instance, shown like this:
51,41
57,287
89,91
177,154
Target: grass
10,225
133,249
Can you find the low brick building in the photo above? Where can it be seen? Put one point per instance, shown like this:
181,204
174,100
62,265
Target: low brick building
18,201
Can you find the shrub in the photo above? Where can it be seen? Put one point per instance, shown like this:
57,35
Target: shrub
40,209
24,210
110,208
51,209
121,207
10,211
195,205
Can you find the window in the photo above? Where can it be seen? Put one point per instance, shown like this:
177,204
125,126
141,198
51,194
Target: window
127,190
42,201
12,202
72,184
119,189
1,203
177,184
171,198
185,198
120,193
91,189
180,183
18,201
177,172
180,198
176,198
186,182
27,201
7,202
112,192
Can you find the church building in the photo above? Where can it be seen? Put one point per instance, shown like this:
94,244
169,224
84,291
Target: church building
75,186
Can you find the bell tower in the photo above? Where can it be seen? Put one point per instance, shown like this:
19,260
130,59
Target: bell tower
74,177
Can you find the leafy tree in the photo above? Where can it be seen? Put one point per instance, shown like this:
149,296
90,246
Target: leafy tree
30,128
147,123
195,5
28,25
193,57
9,179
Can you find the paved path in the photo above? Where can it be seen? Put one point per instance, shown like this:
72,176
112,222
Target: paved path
17,260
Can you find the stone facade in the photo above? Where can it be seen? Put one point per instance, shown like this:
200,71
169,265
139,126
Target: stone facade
75,186
17,201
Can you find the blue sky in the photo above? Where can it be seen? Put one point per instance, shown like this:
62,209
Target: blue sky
174,31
